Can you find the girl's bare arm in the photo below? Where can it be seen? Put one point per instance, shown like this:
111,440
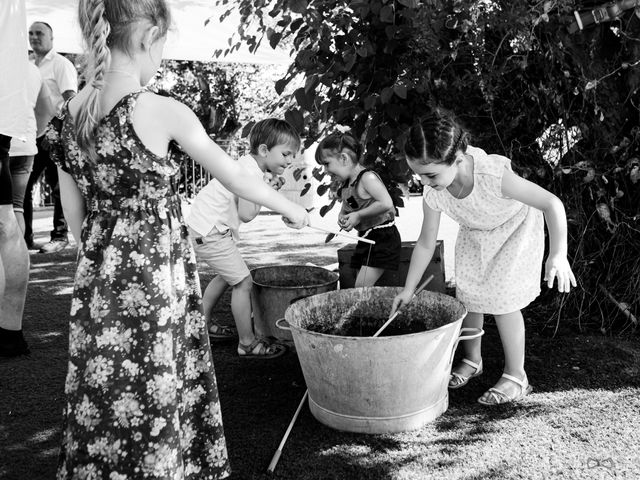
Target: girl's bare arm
177,122
382,203
557,264
72,204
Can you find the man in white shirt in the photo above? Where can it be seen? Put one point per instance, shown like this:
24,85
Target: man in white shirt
22,153
61,78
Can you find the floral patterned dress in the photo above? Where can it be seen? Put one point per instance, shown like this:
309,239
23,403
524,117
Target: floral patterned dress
141,394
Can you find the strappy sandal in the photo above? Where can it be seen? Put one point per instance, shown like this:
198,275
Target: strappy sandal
499,397
261,348
457,380
222,333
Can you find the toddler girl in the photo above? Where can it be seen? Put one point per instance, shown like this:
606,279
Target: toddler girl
366,206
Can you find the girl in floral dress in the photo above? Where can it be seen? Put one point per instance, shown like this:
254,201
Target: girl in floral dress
142,400
499,247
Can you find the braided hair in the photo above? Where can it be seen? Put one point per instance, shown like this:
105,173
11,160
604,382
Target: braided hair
107,24
436,138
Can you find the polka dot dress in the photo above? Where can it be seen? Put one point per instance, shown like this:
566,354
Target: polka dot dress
500,244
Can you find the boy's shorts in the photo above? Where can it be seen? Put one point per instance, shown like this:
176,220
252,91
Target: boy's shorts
220,252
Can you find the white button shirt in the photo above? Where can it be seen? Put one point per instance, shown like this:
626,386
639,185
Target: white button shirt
60,75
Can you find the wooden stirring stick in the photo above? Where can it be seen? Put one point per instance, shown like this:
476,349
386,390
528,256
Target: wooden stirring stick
348,235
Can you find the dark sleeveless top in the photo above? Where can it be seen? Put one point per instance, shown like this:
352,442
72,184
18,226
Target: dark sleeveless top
352,202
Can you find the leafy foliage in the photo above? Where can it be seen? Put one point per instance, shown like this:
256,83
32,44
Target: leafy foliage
562,106
224,96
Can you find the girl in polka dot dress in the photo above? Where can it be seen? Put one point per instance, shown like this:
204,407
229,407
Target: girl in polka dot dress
500,243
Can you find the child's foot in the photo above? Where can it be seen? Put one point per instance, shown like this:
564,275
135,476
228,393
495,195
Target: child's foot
222,333
463,372
261,348
508,389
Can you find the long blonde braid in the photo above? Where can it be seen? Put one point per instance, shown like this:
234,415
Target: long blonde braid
95,31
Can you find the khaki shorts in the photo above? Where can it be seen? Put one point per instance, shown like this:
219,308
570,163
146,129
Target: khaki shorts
220,252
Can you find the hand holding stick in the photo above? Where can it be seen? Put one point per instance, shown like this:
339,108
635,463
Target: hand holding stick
353,237
394,315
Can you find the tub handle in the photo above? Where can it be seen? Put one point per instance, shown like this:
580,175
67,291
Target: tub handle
462,338
280,326
479,333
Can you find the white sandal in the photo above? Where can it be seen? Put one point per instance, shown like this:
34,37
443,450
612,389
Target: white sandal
457,380
499,397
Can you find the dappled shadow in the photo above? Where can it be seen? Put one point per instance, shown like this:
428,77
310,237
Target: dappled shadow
561,363
31,389
573,414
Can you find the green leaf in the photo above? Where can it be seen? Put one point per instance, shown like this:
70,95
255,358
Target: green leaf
281,84
386,95
390,31
409,3
306,58
387,14
247,129
284,21
299,6
370,102
349,62
275,39
318,173
325,209
274,12
400,90
303,100
295,25
305,189
295,118
311,83
363,51
386,132
322,188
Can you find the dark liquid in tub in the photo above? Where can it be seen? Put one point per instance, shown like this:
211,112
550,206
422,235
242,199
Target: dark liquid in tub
358,326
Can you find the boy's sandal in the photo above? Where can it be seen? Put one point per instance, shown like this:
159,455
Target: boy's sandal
261,348
222,333
457,380
498,397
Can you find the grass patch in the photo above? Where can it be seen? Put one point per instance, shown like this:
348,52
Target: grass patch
583,411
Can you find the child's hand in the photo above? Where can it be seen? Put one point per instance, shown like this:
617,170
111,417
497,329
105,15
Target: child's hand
349,221
558,266
297,220
401,299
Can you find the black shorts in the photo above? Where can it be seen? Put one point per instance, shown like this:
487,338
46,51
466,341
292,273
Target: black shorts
6,192
384,254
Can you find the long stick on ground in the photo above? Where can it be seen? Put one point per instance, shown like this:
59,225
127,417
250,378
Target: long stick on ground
276,456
